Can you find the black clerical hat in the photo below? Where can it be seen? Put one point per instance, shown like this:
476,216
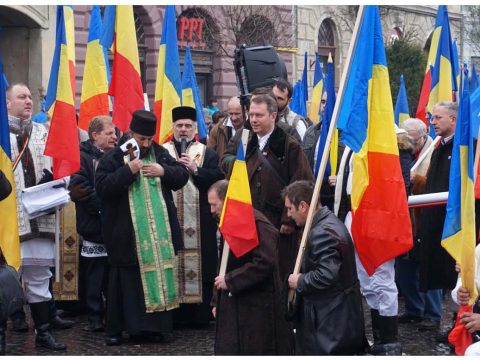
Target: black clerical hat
143,123
184,112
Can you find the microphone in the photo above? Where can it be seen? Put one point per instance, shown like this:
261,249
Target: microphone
183,146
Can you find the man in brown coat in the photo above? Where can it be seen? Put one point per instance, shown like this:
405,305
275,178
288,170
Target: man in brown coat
223,131
274,160
247,305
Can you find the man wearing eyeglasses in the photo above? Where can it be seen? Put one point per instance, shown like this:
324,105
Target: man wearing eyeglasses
436,266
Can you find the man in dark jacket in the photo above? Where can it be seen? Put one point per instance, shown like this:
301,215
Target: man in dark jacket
102,138
249,318
436,266
274,160
329,320
141,233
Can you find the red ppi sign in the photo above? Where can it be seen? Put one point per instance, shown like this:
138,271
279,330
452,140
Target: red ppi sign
190,32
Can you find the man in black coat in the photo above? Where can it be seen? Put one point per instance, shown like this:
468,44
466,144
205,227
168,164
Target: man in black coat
436,266
135,251
198,260
329,320
93,256
247,305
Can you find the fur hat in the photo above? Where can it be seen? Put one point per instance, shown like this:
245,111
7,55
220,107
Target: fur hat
184,112
144,123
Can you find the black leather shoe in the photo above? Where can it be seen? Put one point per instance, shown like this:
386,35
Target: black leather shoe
19,325
428,325
44,338
94,326
409,319
114,340
58,323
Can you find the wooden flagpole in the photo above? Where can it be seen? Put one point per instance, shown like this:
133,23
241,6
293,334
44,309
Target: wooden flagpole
425,154
326,154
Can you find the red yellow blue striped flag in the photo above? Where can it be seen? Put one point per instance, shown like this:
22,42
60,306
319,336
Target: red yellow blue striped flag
94,99
432,55
9,239
126,83
317,91
168,89
381,227
444,75
62,143
458,236
237,223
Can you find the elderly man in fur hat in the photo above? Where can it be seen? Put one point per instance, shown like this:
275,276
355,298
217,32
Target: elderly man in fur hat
141,233
198,261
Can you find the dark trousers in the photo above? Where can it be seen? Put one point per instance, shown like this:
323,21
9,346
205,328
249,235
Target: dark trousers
95,281
428,304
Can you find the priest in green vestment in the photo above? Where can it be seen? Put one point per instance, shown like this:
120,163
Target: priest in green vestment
141,233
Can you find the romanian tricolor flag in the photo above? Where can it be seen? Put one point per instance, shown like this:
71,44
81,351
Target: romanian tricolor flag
401,107
331,167
458,236
237,223
168,90
126,84
191,94
94,100
444,76
62,143
432,55
317,91
9,239
381,227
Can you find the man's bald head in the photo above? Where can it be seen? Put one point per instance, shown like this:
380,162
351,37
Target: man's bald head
19,101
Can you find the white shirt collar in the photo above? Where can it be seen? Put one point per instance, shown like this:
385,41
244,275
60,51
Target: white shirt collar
262,140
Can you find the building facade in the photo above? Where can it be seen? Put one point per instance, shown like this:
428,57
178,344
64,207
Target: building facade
213,32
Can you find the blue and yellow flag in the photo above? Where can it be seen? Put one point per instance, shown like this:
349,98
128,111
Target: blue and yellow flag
62,142
331,167
9,239
94,100
458,236
401,107
298,103
168,89
317,91
191,94
444,76
381,227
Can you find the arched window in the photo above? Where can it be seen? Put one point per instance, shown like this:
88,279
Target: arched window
209,30
326,41
256,30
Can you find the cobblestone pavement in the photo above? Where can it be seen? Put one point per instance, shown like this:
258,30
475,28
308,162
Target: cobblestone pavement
195,341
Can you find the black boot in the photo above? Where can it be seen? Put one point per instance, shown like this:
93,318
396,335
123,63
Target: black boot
375,325
388,344
44,337
3,344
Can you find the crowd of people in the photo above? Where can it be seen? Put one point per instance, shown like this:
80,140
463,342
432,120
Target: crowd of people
151,248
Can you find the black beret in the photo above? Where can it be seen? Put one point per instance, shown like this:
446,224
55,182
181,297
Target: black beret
144,123
184,112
